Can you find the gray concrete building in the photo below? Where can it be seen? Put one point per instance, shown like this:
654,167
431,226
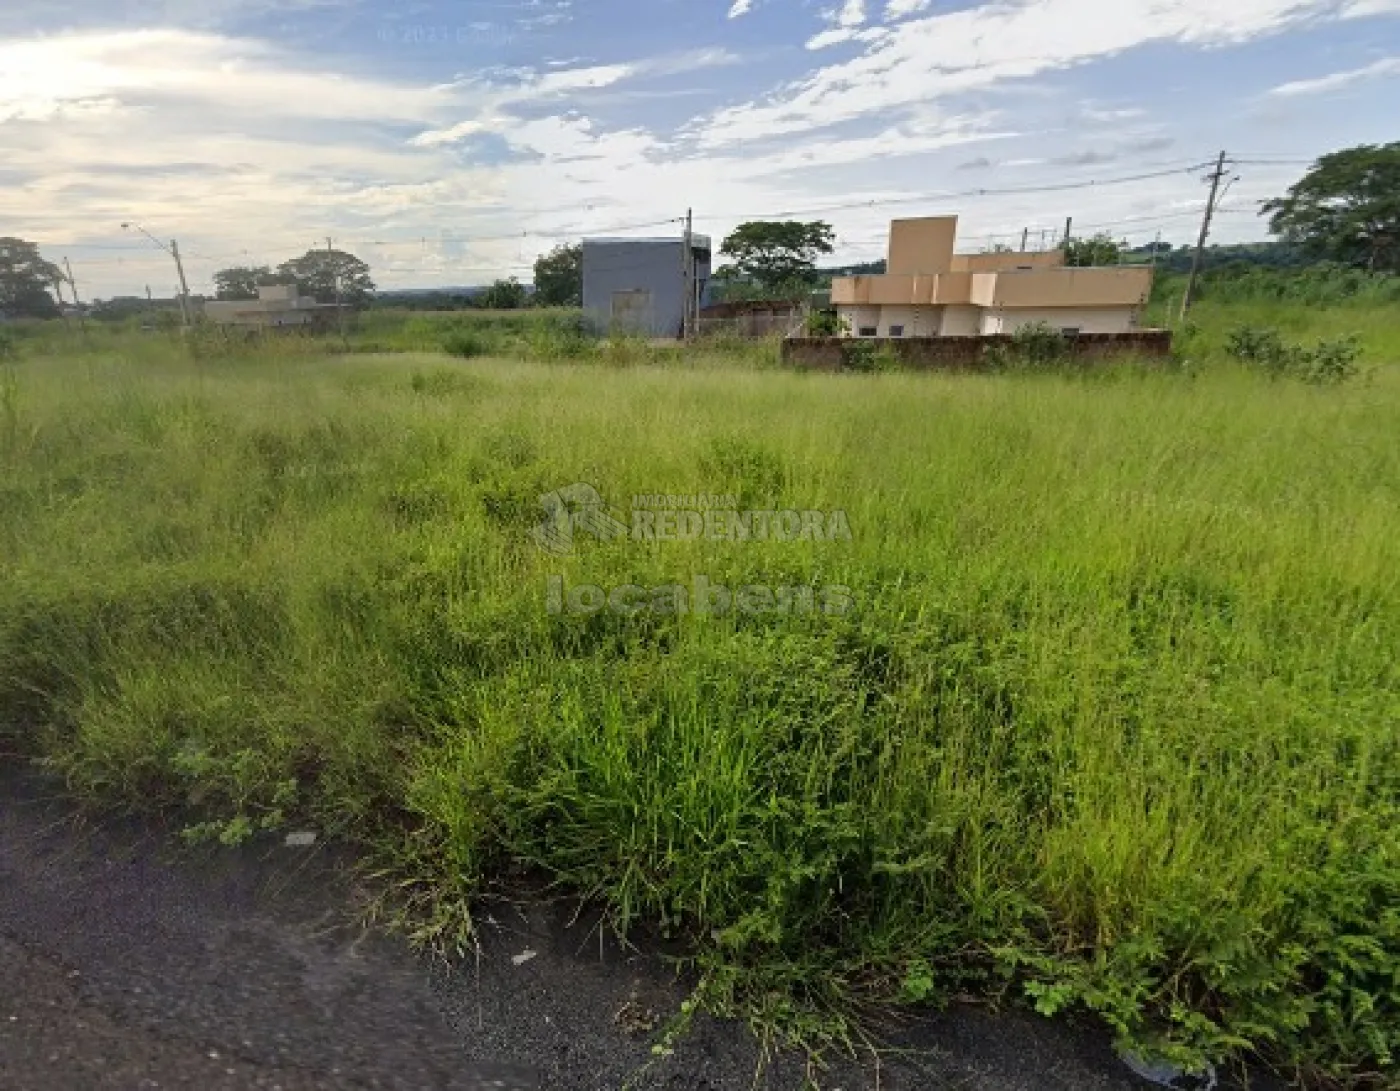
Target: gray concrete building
637,286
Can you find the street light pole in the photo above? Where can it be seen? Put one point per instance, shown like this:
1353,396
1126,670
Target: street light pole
173,249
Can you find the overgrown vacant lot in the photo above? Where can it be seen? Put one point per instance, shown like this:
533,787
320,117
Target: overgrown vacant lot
1112,722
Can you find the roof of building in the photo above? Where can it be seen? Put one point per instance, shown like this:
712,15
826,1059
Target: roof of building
699,241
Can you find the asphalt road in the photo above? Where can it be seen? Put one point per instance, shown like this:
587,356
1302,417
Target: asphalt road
129,962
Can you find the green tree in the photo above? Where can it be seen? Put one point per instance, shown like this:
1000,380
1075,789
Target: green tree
25,280
317,272
1346,208
241,281
559,277
776,253
504,295
1100,249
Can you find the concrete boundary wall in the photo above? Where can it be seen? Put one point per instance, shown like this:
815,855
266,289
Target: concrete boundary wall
965,353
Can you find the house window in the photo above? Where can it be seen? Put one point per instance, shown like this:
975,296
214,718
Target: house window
896,331
867,331
1070,331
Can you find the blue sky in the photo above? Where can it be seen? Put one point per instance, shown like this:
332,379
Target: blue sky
450,143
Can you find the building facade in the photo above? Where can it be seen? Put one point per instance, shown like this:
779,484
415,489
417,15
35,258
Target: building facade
638,286
929,291
277,305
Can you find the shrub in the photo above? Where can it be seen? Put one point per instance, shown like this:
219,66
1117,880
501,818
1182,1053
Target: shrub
1328,362
826,324
1261,347
9,344
466,344
1332,361
1036,344
862,354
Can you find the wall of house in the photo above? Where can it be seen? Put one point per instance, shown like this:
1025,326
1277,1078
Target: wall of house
921,289
961,321
646,277
1004,262
923,245
1085,319
915,321
858,317
1094,287
256,313
971,353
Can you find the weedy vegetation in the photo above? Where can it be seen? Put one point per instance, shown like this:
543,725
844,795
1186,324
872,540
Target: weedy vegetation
1114,726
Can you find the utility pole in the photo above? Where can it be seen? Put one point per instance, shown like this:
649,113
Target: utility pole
184,285
688,279
1156,245
1069,227
173,249
1025,237
73,287
1214,176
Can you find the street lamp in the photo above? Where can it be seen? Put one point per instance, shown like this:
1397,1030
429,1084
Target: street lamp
173,249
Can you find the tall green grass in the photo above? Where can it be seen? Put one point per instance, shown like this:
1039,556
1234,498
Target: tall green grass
1112,726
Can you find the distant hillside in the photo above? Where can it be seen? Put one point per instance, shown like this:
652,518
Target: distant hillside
429,299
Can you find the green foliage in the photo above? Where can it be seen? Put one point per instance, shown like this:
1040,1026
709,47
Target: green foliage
504,295
243,281
329,275
778,253
559,277
1323,285
1346,208
26,280
1326,363
1100,249
867,354
826,324
1034,345
1111,728
466,343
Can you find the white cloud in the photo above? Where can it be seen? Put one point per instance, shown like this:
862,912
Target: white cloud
898,9
836,35
1102,114
580,79
42,77
1337,80
979,47
740,7
493,100
852,13
1359,9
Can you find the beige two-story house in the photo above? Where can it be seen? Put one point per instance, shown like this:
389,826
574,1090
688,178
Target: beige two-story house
929,291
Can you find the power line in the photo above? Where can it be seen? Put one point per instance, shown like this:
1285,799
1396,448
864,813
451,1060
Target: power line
964,195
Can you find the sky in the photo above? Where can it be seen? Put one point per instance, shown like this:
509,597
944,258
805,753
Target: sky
451,143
